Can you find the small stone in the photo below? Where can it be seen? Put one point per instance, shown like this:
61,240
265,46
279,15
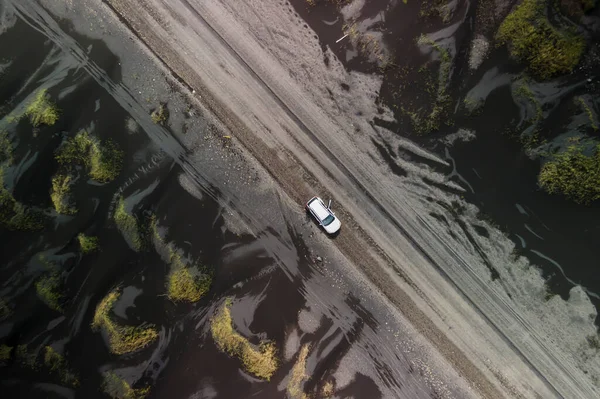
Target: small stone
319,259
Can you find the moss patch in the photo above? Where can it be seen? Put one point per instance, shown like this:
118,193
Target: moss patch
160,115
6,149
294,387
186,283
573,175
261,362
522,90
57,364
42,111
5,352
48,289
88,244
13,214
128,225
103,160
118,388
4,310
586,108
122,339
25,358
532,39
426,123
60,195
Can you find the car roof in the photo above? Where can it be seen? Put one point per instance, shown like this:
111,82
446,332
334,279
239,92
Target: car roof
318,208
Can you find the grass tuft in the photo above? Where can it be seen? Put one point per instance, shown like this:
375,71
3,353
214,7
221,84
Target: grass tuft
122,339
25,358
48,289
128,225
160,115
186,283
532,39
5,352
6,149
573,175
102,159
589,112
294,387
57,364
261,362
118,388
13,214
60,195
42,111
328,389
88,244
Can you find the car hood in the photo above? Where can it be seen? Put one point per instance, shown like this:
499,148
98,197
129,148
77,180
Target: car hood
333,226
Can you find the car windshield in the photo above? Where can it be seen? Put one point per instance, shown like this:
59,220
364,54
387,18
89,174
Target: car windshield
327,221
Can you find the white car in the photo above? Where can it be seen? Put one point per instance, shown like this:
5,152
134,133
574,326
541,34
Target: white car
323,214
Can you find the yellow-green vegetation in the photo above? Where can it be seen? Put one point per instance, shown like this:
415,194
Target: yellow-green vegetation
103,160
6,149
185,283
431,122
57,364
573,175
294,386
367,44
4,310
13,214
589,112
5,351
48,288
60,195
522,90
117,388
160,115
328,389
42,111
122,339
24,357
261,362
532,39
128,225
88,244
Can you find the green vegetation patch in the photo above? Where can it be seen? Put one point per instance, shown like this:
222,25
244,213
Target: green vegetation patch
588,110
88,244
42,111
25,358
60,194
5,311
524,91
160,115
5,351
262,362
128,225
48,289
103,160
186,283
57,364
122,339
117,388
431,122
573,175
13,214
532,39
296,381
6,149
